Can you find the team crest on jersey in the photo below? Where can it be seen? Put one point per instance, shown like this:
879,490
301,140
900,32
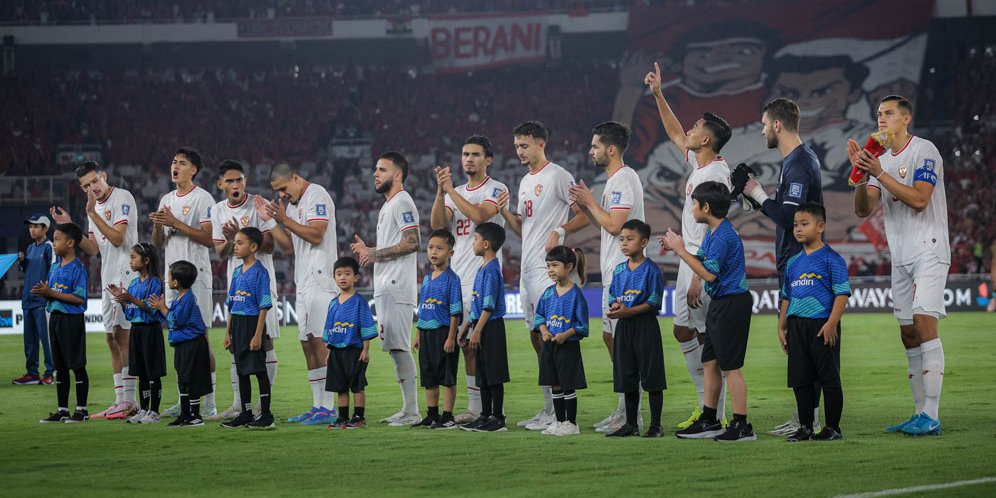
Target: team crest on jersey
539,190
186,210
321,210
496,192
107,215
125,208
902,171
408,217
688,189
795,190
245,221
616,198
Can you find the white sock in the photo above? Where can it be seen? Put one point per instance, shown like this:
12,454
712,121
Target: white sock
118,389
473,395
721,405
328,399
692,351
271,366
316,380
547,399
209,398
236,395
915,373
407,375
933,376
128,381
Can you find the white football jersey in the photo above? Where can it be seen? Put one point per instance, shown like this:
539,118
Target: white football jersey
465,263
192,209
313,263
246,216
397,277
115,262
623,190
716,171
911,234
544,205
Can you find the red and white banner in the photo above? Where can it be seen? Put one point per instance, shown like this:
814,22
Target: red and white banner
468,43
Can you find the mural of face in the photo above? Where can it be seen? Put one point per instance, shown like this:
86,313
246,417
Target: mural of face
723,65
823,95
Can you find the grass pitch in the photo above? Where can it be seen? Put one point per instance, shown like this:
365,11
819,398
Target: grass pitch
103,458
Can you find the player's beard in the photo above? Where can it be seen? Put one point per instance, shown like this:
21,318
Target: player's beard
771,141
384,186
601,162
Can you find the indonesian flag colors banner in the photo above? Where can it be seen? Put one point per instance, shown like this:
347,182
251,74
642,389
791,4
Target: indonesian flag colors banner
468,43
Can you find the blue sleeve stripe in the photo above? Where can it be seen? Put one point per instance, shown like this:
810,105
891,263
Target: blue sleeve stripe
841,289
712,266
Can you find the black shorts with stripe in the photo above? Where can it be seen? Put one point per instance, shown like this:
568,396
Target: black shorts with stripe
639,355
67,333
436,366
562,365
809,358
247,361
192,362
345,371
492,355
147,350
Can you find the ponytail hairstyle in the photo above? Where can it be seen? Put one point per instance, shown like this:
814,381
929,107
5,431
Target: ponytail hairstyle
568,256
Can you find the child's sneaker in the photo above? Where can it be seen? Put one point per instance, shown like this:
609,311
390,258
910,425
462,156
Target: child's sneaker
192,422
180,420
263,421
493,424
828,434
551,430
475,425
339,423
137,418
173,411
243,419
356,423
56,416
425,422
739,430
701,429
567,428
150,418
80,415
802,434
624,430
47,380
654,431
445,423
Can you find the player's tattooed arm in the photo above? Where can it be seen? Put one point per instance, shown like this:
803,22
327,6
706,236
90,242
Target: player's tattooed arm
409,244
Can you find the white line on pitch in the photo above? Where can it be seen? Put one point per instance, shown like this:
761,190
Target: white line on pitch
917,489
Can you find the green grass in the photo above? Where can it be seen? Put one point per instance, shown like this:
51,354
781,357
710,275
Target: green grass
113,458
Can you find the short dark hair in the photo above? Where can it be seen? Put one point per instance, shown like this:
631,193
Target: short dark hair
282,171
347,262
230,164
71,230
484,142
147,250
854,72
444,234
86,167
253,234
184,272
719,128
192,155
716,195
533,129
399,161
493,233
901,101
814,208
784,111
639,226
612,133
